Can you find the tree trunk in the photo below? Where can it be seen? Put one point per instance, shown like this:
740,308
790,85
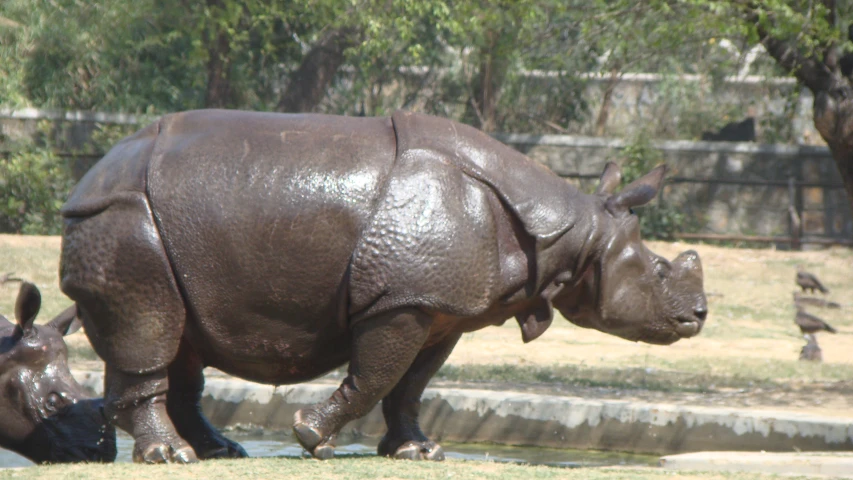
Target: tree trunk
218,93
833,119
606,102
833,99
309,83
841,145
481,109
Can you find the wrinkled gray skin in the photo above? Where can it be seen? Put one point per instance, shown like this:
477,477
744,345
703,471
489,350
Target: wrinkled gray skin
278,247
45,415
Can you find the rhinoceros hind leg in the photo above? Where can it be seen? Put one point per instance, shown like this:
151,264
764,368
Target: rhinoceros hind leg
155,439
114,266
186,384
401,407
383,348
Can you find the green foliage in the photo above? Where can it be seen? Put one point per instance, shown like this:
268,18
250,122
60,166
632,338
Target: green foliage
778,126
104,136
33,186
657,219
157,56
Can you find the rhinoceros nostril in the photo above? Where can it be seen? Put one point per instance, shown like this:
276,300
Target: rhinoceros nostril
701,313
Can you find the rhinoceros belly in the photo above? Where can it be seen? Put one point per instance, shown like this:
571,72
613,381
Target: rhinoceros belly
260,214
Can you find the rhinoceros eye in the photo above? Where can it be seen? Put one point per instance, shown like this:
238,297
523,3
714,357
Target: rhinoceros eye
52,402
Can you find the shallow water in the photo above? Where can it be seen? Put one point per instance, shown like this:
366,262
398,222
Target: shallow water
281,444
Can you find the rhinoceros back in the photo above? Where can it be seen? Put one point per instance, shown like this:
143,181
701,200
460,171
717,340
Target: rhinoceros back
261,212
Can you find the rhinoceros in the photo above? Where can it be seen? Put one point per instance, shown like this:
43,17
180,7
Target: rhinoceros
45,415
277,247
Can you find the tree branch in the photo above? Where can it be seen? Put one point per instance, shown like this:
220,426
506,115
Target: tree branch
809,70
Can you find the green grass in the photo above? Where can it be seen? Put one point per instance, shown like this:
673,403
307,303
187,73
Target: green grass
368,467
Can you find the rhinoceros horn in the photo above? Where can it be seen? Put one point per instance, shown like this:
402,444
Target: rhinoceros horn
27,307
638,192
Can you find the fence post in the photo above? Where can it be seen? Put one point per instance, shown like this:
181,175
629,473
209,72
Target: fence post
794,223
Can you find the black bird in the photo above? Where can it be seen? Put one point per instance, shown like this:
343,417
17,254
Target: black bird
813,301
811,351
810,324
809,282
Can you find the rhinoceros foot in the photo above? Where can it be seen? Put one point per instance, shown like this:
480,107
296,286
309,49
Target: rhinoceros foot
209,443
320,446
149,449
228,450
411,450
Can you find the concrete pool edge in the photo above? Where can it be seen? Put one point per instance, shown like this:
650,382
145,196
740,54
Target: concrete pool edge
835,464
477,416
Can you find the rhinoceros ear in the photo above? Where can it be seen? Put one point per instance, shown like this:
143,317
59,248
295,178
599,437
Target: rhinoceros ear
66,322
639,192
27,306
610,178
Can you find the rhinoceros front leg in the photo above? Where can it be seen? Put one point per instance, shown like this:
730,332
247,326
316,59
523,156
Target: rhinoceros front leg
383,348
186,385
402,406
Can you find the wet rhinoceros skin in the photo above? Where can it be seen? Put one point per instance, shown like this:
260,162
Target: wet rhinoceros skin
278,247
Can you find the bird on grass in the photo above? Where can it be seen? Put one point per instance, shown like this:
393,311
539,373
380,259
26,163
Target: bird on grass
809,282
811,351
9,277
800,299
810,324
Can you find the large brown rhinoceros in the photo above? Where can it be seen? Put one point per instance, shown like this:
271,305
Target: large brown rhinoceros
279,247
45,415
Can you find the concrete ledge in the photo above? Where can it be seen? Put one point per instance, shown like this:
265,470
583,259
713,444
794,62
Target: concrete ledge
835,465
469,415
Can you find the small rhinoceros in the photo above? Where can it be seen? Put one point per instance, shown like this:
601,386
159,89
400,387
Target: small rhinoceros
45,415
278,247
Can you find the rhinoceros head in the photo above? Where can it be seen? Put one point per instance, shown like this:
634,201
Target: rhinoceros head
624,288
45,415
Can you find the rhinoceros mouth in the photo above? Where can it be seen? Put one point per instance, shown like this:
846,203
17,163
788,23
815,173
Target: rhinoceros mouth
687,327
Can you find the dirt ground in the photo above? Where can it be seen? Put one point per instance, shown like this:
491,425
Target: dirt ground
749,332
